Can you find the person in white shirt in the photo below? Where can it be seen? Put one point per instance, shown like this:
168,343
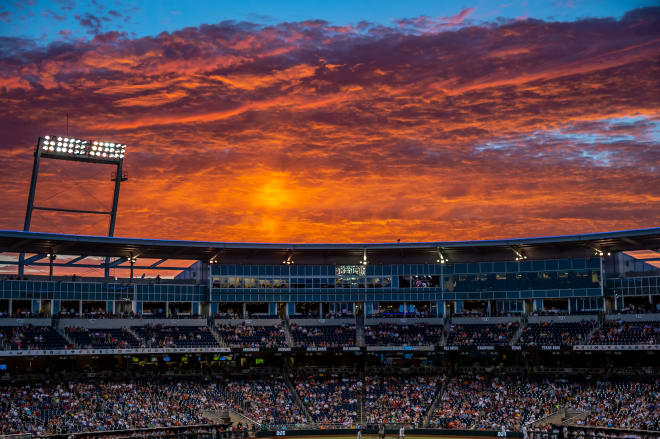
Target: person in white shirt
402,432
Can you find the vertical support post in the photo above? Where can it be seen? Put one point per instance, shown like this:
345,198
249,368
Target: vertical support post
602,283
113,212
210,296
132,263
30,203
51,258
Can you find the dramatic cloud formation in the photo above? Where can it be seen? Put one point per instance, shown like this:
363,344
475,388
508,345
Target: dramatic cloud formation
431,129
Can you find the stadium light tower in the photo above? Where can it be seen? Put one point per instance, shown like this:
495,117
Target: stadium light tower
77,150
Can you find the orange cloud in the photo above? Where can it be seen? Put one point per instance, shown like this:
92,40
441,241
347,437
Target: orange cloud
308,132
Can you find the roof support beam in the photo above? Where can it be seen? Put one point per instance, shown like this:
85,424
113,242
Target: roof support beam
157,263
115,263
74,260
35,258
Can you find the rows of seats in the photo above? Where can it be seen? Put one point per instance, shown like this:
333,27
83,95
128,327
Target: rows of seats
102,338
556,333
481,334
478,402
265,400
485,402
624,404
398,399
331,400
620,332
159,336
31,337
73,407
322,335
481,402
397,335
253,336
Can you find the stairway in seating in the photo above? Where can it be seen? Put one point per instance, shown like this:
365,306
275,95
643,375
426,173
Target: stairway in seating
445,330
517,334
359,332
296,397
216,335
434,404
64,335
599,324
287,332
137,337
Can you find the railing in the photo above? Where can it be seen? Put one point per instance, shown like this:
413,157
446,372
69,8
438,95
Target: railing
242,416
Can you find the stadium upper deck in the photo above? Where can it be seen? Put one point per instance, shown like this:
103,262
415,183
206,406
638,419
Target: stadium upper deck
425,281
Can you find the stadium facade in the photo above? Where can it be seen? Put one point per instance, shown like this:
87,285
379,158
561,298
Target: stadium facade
568,273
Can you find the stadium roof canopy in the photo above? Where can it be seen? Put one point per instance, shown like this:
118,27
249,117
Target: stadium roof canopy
254,253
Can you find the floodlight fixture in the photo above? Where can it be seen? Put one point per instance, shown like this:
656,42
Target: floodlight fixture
364,257
442,259
600,253
288,260
81,149
519,255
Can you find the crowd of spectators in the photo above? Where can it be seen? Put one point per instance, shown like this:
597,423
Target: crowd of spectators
608,433
227,315
331,400
96,338
490,402
265,400
397,335
161,336
481,334
61,408
31,337
467,402
399,399
556,333
253,336
621,332
323,335
629,404
484,402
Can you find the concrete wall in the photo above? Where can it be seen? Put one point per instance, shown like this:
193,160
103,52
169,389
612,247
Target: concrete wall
248,322
322,322
406,321
121,323
562,319
634,317
483,320
23,322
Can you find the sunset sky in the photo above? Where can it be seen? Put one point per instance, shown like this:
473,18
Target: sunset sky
270,121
